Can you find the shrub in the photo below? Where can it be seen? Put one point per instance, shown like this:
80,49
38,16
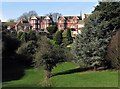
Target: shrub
67,37
58,37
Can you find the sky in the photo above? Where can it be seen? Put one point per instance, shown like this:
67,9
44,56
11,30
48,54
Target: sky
12,10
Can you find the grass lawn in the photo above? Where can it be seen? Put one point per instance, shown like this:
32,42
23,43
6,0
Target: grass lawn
31,78
84,79
67,76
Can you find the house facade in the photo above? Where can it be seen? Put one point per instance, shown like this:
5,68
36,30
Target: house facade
69,22
40,23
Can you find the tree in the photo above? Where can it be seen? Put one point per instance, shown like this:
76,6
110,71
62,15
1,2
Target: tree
90,47
19,34
67,37
31,35
107,6
11,20
48,56
54,16
9,44
58,37
27,15
32,13
24,37
52,29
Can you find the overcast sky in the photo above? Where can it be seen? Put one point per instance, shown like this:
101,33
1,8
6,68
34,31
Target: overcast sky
12,10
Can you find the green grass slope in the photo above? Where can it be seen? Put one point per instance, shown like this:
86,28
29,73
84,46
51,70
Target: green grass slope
83,79
67,75
32,78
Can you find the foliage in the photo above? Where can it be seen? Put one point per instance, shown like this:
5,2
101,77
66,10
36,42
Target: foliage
54,16
48,56
113,51
28,48
90,47
24,37
67,37
28,36
27,15
58,37
4,27
11,20
9,44
107,6
19,34
10,60
52,29
32,35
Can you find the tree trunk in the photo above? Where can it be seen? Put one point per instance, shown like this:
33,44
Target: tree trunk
95,68
48,74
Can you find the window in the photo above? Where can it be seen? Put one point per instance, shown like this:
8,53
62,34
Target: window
38,26
34,26
34,21
19,27
27,27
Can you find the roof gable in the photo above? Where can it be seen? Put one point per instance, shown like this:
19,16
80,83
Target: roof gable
34,17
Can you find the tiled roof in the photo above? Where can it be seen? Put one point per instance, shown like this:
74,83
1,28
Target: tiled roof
69,17
9,23
23,24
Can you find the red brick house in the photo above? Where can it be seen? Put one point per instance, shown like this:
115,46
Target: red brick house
22,26
40,23
68,21
46,22
35,22
62,23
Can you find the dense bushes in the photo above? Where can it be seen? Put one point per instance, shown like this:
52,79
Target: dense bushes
12,67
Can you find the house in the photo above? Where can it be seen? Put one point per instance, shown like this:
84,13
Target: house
62,23
68,22
35,22
8,25
46,22
22,25
40,22
75,23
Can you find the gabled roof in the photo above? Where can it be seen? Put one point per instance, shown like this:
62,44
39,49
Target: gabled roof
61,17
70,17
47,17
22,24
34,17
